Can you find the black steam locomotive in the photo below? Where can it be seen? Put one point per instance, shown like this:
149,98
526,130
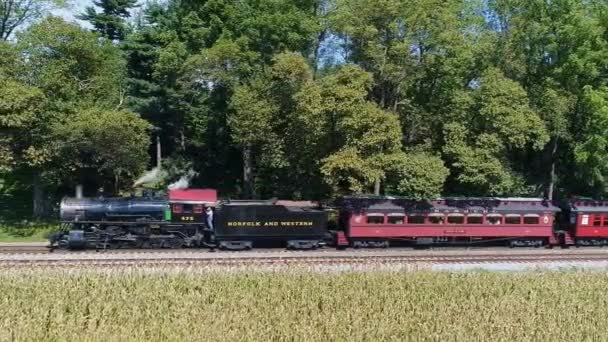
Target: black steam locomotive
187,218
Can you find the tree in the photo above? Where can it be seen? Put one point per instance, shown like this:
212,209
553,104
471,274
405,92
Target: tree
251,125
62,71
111,21
266,124
419,175
16,13
554,49
494,125
591,151
19,108
480,168
419,53
186,61
111,144
72,66
364,140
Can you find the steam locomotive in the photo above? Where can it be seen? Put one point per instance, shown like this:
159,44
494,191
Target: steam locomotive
188,218
196,218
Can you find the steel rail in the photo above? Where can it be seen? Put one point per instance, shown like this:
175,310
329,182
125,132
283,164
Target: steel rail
155,260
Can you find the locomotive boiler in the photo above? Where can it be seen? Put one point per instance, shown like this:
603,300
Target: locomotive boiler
112,209
172,221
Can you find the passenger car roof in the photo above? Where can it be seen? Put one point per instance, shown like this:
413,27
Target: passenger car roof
589,206
447,205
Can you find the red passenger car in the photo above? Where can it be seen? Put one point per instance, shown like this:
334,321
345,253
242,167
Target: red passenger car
375,221
589,222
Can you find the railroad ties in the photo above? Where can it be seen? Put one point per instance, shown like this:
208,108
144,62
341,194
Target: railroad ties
19,257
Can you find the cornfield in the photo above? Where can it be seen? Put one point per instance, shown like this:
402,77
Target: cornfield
302,306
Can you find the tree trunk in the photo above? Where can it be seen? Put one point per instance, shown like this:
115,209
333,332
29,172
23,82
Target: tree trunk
248,187
313,56
550,184
158,151
182,140
314,53
116,181
377,187
37,196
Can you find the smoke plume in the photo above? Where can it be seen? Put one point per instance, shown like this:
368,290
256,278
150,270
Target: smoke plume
183,182
148,177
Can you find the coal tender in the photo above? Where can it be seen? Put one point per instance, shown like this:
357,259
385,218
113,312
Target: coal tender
243,224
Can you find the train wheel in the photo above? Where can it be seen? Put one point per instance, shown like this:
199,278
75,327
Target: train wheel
176,243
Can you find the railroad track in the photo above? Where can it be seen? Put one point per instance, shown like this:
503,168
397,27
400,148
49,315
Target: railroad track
16,249
223,260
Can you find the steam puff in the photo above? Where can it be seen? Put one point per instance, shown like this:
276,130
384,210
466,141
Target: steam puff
149,176
183,182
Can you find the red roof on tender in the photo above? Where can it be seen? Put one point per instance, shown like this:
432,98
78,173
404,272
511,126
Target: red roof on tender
195,195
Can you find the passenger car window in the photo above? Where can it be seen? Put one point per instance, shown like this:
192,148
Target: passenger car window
494,219
396,219
597,220
474,219
415,219
456,219
375,219
436,219
512,220
531,220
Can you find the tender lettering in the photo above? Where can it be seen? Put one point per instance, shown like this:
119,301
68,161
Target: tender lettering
269,224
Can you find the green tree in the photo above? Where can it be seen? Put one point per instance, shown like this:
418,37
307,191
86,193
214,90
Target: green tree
252,128
186,61
110,144
266,123
591,151
72,66
111,21
20,107
480,167
419,53
60,72
494,126
554,49
364,140
419,175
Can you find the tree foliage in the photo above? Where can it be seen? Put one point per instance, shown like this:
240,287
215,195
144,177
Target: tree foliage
111,143
591,151
420,175
111,20
62,109
310,98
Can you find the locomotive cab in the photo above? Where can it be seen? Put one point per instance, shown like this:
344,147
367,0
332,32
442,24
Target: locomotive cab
188,206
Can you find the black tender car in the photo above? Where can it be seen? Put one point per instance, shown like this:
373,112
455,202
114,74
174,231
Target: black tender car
240,225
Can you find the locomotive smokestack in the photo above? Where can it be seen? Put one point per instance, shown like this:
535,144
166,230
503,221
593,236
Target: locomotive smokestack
79,191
